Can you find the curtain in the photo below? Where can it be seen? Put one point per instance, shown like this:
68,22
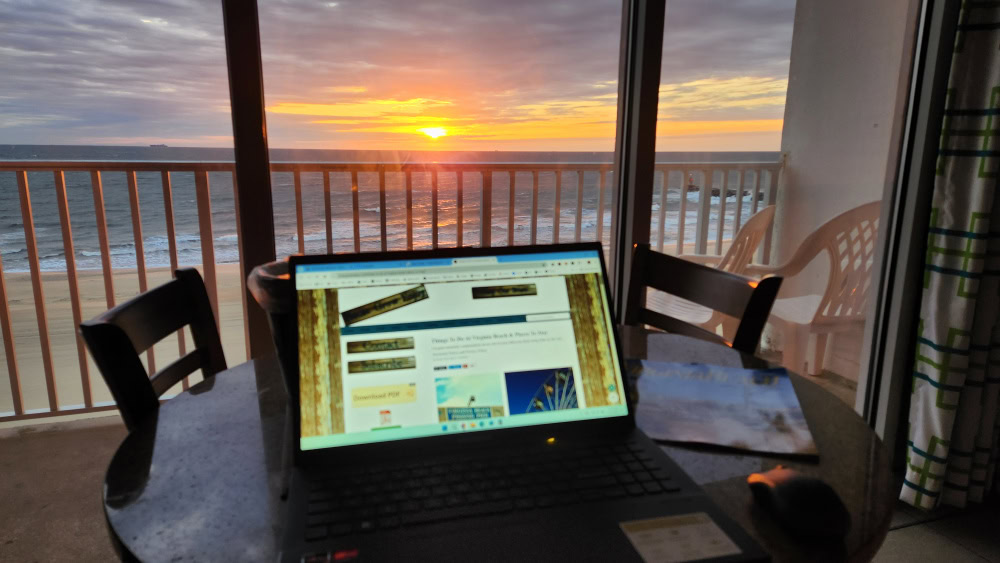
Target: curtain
953,424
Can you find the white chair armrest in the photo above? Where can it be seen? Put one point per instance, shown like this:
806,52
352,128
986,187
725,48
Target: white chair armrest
761,270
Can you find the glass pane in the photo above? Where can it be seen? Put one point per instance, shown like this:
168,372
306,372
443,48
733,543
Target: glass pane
143,83
778,103
506,110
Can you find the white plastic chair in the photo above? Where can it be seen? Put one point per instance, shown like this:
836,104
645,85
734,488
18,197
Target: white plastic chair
810,322
736,260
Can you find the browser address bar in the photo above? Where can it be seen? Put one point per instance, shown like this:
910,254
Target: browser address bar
420,271
475,260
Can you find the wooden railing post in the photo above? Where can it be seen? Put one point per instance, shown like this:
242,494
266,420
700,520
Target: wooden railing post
204,201
486,210
357,211
772,196
102,237
511,183
168,216
140,254
327,212
409,210
600,205
36,284
555,207
74,290
738,215
665,176
756,191
434,208
383,212
534,206
579,206
299,222
687,182
721,223
8,347
459,220
704,207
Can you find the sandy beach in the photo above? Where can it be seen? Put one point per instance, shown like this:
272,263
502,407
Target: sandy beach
62,331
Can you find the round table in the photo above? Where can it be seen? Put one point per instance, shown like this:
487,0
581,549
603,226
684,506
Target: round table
202,479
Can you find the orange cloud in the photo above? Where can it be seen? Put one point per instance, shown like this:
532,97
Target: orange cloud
365,108
674,128
683,108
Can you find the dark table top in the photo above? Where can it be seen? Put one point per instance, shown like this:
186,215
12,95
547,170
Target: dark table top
201,480
852,458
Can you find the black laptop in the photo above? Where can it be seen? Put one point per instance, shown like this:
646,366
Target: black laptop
469,405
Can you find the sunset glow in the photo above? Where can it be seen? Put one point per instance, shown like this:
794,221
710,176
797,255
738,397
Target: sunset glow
434,132
383,76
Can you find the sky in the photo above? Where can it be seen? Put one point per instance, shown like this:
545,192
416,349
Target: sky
389,74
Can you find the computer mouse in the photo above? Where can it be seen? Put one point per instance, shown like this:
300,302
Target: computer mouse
805,506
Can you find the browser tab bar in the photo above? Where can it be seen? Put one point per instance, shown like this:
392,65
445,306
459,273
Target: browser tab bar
474,260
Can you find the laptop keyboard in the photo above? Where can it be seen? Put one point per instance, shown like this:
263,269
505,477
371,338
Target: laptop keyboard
414,494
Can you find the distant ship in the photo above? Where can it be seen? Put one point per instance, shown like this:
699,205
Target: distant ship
158,145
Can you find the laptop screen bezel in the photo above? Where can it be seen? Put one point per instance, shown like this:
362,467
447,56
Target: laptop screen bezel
564,430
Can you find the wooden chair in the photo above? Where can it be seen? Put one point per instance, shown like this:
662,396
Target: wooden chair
117,337
730,294
736,260
809,322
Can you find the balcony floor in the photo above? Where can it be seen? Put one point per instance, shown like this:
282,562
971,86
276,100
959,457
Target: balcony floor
53,475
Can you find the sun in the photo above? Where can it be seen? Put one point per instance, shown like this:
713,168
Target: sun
434,132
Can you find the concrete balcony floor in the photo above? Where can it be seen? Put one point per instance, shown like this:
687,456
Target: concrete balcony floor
53,475
52,478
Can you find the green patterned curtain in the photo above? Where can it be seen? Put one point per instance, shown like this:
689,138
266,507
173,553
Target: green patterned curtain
952,449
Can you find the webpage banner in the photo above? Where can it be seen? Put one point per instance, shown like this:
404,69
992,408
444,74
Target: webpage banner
383,361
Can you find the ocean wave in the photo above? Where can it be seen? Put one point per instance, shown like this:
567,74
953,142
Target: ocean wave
156,247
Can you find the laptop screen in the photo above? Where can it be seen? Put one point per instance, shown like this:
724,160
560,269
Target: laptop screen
400,349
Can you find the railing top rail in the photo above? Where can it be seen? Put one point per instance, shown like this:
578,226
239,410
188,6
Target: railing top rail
228,166
114,165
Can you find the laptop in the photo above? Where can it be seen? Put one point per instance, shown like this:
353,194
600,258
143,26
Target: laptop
469,404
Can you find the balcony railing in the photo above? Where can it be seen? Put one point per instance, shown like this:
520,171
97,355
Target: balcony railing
697,207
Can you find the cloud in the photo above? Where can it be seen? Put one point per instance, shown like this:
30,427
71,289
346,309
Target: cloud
353,74
360,108
97,70
749,96
346,89
726,38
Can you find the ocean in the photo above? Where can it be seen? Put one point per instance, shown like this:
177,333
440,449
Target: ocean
116,202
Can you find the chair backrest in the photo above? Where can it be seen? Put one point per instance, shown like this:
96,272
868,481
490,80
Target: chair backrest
117,337
849,239
746,241
737,296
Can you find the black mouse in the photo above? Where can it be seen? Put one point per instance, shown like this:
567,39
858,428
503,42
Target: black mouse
805,506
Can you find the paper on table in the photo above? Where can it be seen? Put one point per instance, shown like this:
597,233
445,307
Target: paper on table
755,410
